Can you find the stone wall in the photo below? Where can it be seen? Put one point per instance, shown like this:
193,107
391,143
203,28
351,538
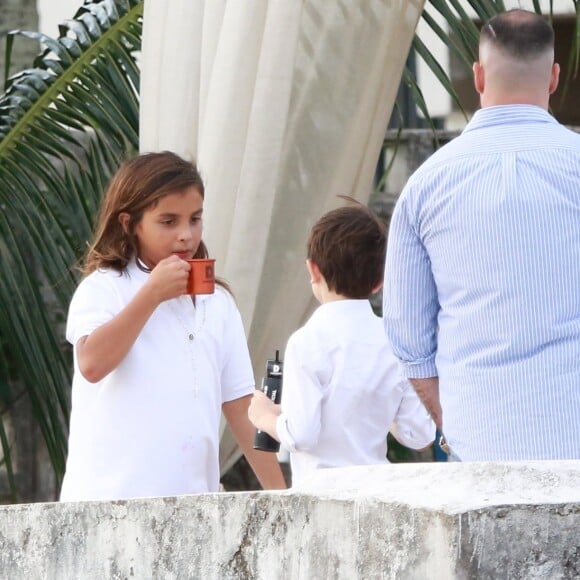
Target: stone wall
440,521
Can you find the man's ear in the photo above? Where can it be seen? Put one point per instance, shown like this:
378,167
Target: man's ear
478,77
554,77
124,220
313,270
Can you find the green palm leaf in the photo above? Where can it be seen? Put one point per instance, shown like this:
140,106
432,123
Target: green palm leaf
65,125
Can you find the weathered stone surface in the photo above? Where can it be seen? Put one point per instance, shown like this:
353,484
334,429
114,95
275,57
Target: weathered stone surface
472,520
407,521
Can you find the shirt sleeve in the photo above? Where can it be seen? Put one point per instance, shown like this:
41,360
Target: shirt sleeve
410,303
415,428
94,303
305,374
237,376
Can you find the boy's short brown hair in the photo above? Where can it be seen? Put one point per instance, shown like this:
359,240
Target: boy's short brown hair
348,245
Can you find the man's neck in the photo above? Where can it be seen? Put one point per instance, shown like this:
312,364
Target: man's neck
495,100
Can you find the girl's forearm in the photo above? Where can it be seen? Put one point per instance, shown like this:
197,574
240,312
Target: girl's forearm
265,465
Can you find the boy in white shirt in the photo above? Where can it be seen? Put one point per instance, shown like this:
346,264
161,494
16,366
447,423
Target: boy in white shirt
342,387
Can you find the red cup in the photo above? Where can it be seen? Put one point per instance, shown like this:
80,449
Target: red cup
201,276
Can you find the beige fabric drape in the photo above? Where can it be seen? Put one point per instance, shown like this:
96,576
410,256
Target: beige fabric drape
284,104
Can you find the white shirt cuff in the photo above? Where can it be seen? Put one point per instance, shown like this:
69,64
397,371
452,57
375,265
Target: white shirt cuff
284,435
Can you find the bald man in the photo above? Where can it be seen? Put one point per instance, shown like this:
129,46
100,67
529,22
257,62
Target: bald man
482,277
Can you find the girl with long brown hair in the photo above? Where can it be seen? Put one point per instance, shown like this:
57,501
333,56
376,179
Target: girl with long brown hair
154,368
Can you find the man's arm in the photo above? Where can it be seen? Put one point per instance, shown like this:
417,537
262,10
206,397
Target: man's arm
411,304
428,392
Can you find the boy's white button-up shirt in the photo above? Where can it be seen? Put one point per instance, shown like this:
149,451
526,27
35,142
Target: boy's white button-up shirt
342,390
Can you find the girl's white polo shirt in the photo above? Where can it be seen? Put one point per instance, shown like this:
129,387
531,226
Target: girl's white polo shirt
151,427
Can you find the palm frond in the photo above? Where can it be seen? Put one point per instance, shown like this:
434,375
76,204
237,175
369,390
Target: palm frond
65,125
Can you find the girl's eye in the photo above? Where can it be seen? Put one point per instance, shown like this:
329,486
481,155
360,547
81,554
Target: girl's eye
195,219
167,222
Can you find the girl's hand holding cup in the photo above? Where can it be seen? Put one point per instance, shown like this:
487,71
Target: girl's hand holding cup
169,278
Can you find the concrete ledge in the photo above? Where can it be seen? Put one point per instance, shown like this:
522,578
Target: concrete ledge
472,520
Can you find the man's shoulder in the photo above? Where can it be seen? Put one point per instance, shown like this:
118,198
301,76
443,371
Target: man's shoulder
451,153
454,151
570,135
471,146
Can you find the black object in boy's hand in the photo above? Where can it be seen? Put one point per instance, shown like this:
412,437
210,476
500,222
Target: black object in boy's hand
272,388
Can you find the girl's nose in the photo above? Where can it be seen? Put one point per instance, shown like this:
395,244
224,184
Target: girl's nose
185,233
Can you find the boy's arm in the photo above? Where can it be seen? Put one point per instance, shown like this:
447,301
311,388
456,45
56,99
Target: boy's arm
306,367
265,465
413,425
102,351
263,414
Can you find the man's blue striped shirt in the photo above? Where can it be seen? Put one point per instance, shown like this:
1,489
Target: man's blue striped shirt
482,285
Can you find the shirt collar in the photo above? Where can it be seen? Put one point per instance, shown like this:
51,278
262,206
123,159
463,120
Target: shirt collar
508,115
135,270
349,304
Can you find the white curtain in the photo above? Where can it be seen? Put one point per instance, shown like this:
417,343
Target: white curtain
284,105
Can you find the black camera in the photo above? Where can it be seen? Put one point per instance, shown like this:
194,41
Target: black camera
272,388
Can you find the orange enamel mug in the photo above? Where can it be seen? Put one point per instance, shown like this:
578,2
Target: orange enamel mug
201,276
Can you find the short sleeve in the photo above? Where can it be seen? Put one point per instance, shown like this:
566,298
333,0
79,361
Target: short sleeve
237,376
94,303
